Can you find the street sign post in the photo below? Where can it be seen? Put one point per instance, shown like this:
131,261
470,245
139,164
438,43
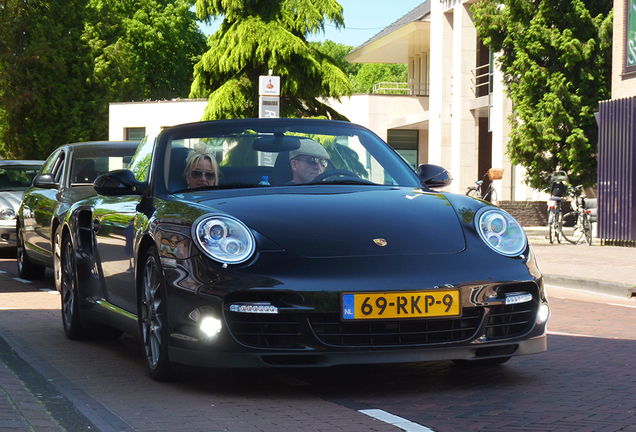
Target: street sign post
269,96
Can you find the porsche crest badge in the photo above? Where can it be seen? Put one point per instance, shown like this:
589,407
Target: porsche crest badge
379,241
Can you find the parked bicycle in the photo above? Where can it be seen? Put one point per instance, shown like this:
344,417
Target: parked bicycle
558,191
490,194
576,226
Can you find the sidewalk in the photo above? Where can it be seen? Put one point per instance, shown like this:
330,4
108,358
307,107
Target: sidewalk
606,269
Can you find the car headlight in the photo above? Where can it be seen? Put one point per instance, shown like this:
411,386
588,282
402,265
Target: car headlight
501,232
223,238
7,214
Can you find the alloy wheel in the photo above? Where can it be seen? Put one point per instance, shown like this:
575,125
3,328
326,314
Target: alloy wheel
151,313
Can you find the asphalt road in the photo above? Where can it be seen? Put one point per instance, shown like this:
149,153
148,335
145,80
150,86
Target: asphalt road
585,382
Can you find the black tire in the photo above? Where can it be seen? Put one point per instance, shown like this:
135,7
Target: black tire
26,268
473,193
575,234
558,225
491,195
587,230
153,318
552,226
71,320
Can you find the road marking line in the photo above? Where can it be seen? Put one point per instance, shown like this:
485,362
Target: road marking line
22,280
394,420
627,306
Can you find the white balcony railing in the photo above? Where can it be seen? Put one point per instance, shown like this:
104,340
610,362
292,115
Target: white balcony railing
400,88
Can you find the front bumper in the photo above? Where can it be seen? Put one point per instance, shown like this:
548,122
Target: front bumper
8,237
325,359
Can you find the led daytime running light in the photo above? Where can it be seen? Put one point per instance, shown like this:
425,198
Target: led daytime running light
516,298
259,308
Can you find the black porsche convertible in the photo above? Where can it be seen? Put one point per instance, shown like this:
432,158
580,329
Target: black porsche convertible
295,243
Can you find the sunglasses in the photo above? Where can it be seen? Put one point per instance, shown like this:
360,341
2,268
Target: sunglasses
196,174
315,160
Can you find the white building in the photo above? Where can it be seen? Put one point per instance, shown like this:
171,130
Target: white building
454,114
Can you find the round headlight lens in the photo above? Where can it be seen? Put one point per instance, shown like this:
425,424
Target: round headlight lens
501,232
7,214
224,239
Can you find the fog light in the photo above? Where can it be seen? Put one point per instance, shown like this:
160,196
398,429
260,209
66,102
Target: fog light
210,326
544,313
516,298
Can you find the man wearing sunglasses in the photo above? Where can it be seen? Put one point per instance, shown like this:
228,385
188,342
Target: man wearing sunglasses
308,161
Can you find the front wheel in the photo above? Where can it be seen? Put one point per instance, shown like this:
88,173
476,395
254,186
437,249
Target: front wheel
553,234
587,230
571,234
68,292
473,193
153,318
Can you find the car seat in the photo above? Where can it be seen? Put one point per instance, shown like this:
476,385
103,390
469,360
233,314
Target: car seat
176,177
282,173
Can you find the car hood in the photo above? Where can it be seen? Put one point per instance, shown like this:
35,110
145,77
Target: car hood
363,222
10,199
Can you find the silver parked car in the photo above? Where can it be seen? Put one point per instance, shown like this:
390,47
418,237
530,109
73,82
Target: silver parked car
15,177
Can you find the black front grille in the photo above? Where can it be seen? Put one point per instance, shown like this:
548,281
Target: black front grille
332,331
266,330
289,331
510,320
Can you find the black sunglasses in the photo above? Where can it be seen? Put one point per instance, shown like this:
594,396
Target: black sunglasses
315,160
209,175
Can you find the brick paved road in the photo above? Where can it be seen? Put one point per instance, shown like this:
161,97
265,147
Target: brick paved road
585,382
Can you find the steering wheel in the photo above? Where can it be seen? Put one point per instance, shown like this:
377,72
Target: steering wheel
333,173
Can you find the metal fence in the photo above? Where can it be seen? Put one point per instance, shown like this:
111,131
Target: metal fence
617,170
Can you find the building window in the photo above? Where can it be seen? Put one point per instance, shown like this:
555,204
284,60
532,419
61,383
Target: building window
405,142
135,134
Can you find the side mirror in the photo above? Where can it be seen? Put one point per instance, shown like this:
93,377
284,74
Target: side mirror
44,181
434,176
117,183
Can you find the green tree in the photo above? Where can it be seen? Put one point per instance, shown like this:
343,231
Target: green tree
373,73
261,35
43,69
363,76
61,63
556,60
143,49
337,52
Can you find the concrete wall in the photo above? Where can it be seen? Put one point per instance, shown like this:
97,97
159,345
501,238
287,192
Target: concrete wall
152,115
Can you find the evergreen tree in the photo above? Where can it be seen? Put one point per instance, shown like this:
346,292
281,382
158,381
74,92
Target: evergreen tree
556,59
43,68
374,73
61,63
143,49
261,35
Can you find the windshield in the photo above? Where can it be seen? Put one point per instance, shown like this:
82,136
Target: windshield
17,177
291,153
